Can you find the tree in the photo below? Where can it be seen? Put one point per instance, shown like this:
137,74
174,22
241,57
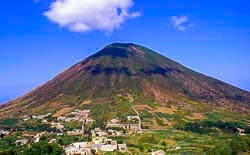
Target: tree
163,143
43,148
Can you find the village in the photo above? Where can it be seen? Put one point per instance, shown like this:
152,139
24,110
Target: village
87,137
100,139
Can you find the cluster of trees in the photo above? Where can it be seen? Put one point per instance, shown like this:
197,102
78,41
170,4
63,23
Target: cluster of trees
39,128
205,127
9,123
236,146
41,148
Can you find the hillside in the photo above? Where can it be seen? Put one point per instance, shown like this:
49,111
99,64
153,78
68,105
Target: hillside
130,69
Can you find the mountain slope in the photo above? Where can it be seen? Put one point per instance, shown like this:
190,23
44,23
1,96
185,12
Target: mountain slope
128,68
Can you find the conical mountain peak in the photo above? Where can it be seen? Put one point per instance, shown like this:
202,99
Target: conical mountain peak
122,68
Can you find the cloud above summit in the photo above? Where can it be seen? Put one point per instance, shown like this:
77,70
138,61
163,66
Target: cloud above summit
90,15
180,22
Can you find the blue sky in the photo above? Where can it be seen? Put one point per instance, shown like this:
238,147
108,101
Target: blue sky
37,41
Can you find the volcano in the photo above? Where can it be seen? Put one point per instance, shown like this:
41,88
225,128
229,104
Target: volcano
126,68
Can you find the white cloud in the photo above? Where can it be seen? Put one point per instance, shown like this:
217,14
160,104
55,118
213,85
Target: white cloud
181,28
87,15
180,22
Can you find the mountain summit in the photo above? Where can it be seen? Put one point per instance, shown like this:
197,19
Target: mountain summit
125,68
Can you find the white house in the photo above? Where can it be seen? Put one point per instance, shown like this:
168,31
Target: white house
114,121
80,151
81,144
159,152
108,147
61,118
52,141
82,148
37,140
22,142
74,132
4,132
58,126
